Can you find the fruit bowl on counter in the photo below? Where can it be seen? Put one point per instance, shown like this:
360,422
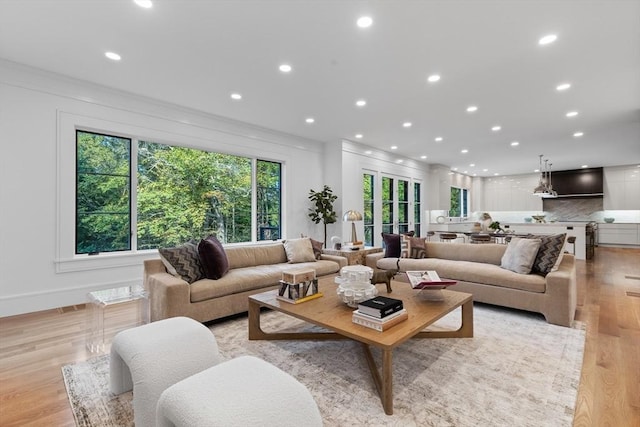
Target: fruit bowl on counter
609,220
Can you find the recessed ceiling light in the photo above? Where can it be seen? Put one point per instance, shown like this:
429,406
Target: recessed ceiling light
472,109
399,161
368,152
407,124
464,151
285,68
433,78
438,139
584,166
471,165
364,21
144,3
563,86
359,135
550,38
515,143
578,134
236,96
423,157
394,147
454,169
485,170
113,56
310,120
496,174
496,128
572,114
361,102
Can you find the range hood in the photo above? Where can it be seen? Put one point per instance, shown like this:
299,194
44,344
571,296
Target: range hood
586,182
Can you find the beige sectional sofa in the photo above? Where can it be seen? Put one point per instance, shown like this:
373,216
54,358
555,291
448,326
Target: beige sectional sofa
252,269
476,268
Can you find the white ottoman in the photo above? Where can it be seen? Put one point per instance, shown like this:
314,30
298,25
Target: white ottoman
245,391
152,357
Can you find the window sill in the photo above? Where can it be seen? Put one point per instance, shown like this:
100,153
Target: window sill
103,261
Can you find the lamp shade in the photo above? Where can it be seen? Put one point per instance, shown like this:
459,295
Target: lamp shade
352,215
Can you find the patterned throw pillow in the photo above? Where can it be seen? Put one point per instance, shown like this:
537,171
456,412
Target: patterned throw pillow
185,261
412,247
317,247
520,255
550,249
213,258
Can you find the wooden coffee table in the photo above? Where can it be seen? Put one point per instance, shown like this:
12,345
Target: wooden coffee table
330,313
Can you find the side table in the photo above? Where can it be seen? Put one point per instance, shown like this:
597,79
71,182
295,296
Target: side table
357,257
98,305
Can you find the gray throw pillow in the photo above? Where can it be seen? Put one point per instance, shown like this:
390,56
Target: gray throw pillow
185,261
520,255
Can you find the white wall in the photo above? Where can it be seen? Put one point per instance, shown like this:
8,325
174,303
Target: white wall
39,270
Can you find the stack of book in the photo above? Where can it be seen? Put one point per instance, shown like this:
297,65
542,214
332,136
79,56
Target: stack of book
380,313
298,286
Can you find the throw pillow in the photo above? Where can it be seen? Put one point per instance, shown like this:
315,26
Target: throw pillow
412,247
520,255
185,261
391,243
299,250
317,247
550,249
213,258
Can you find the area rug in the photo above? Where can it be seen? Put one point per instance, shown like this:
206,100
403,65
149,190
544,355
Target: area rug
517,370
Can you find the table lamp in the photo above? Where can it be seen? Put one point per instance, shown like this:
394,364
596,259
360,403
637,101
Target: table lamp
353,216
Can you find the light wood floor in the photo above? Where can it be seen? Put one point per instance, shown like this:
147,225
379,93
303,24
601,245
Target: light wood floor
33,348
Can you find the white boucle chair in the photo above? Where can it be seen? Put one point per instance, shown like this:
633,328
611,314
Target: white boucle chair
152,357
245,391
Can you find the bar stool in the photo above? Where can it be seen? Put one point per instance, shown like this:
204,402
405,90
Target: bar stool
480,238
430,234
572,240
448,237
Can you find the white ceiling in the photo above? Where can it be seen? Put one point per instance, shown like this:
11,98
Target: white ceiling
195,53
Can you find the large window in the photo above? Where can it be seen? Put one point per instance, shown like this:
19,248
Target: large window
388,217
459,202
369,199
417,208
179,194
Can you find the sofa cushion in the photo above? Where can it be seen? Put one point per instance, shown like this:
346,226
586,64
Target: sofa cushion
391,245
466,271
299,250
252,278
255,254
520,255
490,253
550,249
213,258
185,261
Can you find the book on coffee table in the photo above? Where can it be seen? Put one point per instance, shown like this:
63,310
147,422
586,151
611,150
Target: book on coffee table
380,306
379,324
428,280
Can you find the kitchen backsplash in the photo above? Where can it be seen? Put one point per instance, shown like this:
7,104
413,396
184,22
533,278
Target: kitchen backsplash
573,209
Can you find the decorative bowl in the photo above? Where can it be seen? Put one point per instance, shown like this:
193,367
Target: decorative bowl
528,219
609,220
354,284
538,218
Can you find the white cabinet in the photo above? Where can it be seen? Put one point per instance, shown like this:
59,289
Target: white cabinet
618,234
622,188
511,193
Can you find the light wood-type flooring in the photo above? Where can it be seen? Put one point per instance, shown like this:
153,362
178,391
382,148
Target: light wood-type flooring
33,348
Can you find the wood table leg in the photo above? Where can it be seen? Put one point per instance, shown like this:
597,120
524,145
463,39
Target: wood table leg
464,331
384,382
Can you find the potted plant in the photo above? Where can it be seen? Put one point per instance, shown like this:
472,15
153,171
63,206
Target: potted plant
322,209
495,226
